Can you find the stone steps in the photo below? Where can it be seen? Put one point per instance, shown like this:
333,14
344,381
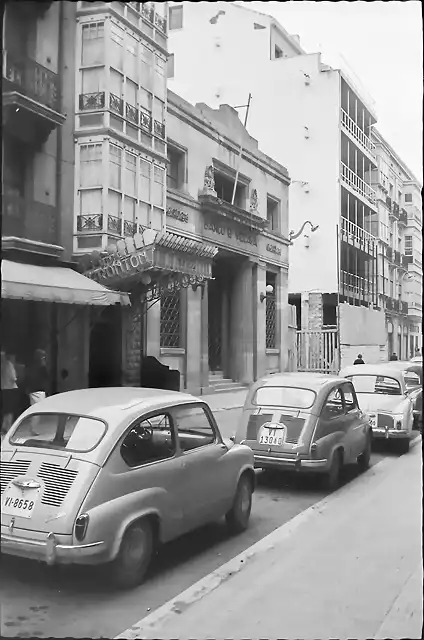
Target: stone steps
219,384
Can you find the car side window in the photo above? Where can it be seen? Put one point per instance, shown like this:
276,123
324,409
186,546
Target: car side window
350,399
149,440
333,407
193,427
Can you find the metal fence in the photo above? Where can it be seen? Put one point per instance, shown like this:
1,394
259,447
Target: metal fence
317,351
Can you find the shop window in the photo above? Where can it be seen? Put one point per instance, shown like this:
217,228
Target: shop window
170,67
90,165
158,186
170,320
115,165
176,17
175,176
150,440
271,312
224,186
92,43
273,213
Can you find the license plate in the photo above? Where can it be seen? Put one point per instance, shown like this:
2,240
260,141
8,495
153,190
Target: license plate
19,502
271,436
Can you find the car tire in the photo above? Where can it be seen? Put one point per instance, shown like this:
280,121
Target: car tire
403,446
135,553
365,457
238,516
332,478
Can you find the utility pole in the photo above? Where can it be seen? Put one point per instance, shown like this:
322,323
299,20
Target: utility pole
241,145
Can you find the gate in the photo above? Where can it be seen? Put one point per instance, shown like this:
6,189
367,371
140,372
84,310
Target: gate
317,351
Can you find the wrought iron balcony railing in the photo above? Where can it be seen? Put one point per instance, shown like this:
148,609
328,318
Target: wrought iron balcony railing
29,219
159,129
92,101
90,222
146,120
30,78
356,287
148,11
114,225
160,22
116,104
130,228
357,184
357,133
353,232
131,113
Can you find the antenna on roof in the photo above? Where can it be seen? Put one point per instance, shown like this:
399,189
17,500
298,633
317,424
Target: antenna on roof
247,106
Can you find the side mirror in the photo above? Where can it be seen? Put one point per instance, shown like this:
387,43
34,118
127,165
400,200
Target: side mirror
233,438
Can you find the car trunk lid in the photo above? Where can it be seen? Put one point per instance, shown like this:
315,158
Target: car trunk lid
276,430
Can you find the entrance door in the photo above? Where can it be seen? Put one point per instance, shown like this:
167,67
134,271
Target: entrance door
106,350
215,323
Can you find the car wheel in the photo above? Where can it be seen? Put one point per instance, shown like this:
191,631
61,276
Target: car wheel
365,457
238,516
333,477
403,445
135,553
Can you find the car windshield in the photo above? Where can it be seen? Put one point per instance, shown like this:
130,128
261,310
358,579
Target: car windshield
285,397
376,384
59,431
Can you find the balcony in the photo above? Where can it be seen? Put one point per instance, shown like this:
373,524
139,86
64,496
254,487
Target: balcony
146,120
31,221
356,287
92,101
116,104
357,237
404,261
31,99
395,212
389,203
362,140
159,129
92,223
358,185
214,206
403,218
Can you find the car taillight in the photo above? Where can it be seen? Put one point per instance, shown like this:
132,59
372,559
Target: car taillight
81,524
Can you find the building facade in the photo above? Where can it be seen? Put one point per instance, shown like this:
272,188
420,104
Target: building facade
318,121
45,302
398,227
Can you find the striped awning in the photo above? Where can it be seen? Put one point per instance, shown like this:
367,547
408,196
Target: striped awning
173,241
21,281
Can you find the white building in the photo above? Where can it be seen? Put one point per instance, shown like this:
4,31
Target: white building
317,121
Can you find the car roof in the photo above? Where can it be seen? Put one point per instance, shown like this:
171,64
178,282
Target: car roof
302,379
380,368
121,401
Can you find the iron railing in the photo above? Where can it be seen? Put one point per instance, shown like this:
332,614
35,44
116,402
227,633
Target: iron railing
357,133
356,287
160,22
270,322
114,225
90,222
130,228
159,129
357,184
353,232
92,101
170,325
148,11
131,113
32,79
146,120
317,351
29,219
116,104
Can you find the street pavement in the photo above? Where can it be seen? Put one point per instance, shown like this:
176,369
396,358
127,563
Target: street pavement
350,566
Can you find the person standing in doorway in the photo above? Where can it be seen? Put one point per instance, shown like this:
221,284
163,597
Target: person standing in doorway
359,359
9,390
393,357
37,377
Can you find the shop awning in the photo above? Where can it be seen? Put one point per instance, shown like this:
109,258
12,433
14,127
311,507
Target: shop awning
54,284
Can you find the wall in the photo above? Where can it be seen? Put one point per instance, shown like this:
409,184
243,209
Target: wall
362,331
73,324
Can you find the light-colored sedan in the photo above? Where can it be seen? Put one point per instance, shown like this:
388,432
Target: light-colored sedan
383,393
105,475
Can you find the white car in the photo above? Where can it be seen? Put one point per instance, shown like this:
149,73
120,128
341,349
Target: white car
382,392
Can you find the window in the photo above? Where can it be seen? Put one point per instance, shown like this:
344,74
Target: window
224,186
175,176
150,440
92,43
158,185
408,245
90,165
193,427
131,92
408,197
333,407
273,213
91,201
170,68
129,209
284,397
376,384
349,397
115,166
170,327
92,80
277,52
59,431
144,190
131,61
176,17
130,173
116,47
271,312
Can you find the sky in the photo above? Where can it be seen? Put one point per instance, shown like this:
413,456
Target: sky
381,42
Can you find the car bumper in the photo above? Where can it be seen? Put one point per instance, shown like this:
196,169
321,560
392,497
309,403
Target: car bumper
291,464
389,434
51,551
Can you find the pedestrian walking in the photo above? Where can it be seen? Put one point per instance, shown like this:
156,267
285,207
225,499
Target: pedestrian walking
37,377
359,359
393,357
9,391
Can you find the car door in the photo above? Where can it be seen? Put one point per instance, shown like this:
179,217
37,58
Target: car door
210,478
356,425
333,425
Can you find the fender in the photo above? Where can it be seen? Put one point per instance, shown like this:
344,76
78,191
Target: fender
128,522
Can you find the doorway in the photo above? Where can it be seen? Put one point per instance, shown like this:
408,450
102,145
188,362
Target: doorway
105,368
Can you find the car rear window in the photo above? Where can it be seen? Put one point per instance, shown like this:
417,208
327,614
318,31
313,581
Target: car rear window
294,397
376,384
59,431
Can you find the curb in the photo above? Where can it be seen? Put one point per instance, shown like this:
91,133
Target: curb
149,623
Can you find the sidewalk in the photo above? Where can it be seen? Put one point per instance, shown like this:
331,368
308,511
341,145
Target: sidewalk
348,567
225,400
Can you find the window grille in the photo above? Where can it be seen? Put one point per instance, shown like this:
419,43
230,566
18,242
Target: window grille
271,313
170,327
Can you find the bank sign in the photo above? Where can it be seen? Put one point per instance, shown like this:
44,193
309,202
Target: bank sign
230,233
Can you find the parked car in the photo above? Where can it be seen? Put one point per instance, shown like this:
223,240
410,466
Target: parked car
418,359
384,395
413,371
306,422
105,475
413,374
